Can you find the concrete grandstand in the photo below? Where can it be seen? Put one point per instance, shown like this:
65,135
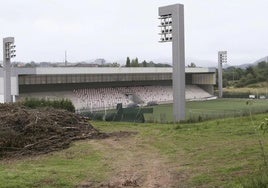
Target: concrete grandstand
102,88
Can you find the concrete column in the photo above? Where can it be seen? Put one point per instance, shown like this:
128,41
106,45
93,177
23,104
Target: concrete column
178,58
7,69
219,77
178,61
222,58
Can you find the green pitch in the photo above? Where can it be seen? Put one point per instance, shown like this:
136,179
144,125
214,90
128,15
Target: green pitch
203,110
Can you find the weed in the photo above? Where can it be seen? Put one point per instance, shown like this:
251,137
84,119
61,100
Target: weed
260,179
178,127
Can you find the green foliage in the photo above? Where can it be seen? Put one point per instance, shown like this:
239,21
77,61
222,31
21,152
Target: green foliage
58,104
240,78
192,65
128,62
260,178
134,62
144,63
263,126
228,94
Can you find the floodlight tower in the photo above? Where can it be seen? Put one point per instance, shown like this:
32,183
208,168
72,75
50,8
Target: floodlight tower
172,30
8,53
222,58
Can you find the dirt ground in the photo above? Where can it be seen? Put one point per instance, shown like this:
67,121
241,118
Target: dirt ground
134,168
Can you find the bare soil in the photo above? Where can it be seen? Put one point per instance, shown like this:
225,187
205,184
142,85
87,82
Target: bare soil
135,165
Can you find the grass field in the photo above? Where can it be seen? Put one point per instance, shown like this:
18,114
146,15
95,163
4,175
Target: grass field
254,91
216,153
204,110
257,89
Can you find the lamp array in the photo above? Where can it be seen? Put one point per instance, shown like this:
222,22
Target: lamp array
223,57
10,50
166,28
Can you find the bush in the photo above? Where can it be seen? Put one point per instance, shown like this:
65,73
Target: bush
58,104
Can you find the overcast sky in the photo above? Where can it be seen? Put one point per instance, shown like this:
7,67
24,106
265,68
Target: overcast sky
115,29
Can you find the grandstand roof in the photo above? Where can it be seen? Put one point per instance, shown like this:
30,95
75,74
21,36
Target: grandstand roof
102,70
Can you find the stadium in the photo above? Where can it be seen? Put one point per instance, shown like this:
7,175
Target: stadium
97,88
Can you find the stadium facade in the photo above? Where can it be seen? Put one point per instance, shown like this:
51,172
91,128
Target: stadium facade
58,79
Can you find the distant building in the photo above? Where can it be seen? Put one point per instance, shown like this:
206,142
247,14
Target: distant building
100,61
45,64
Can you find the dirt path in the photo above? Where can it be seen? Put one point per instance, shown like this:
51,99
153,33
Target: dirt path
135,164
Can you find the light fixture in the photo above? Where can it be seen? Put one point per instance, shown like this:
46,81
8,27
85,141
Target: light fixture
165,28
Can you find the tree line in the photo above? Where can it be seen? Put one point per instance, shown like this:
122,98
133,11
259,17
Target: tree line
238,77
135,63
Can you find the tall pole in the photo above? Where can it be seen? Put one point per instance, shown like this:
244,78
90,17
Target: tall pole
220,77
65,61
178,61
222,58
172,29
8,53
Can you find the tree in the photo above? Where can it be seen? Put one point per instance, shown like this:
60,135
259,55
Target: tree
135,62
144,63
243,77
115,64
128,62
150,64
192,64
262,65
250,70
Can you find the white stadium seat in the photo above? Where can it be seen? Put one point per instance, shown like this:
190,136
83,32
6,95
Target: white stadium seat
107,98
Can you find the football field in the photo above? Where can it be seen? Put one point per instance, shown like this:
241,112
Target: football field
212,109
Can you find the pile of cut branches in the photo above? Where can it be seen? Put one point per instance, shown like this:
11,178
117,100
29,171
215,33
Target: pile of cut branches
26,131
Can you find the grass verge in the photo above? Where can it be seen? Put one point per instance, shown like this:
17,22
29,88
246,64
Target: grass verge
66,168
217,153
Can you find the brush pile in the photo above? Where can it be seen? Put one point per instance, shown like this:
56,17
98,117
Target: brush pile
25,131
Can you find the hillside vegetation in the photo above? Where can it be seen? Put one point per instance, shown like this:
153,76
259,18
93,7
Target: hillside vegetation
251,76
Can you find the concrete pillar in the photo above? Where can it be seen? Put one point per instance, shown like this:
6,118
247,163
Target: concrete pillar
222,58
7,68
178,58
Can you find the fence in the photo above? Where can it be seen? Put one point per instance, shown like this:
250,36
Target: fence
199,115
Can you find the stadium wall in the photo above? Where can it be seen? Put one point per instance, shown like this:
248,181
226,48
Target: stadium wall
26,80
72,86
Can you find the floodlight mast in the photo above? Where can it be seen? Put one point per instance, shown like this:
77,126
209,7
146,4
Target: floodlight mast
172,30
8,53
222,58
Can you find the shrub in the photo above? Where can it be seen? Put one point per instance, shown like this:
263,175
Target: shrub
65,104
